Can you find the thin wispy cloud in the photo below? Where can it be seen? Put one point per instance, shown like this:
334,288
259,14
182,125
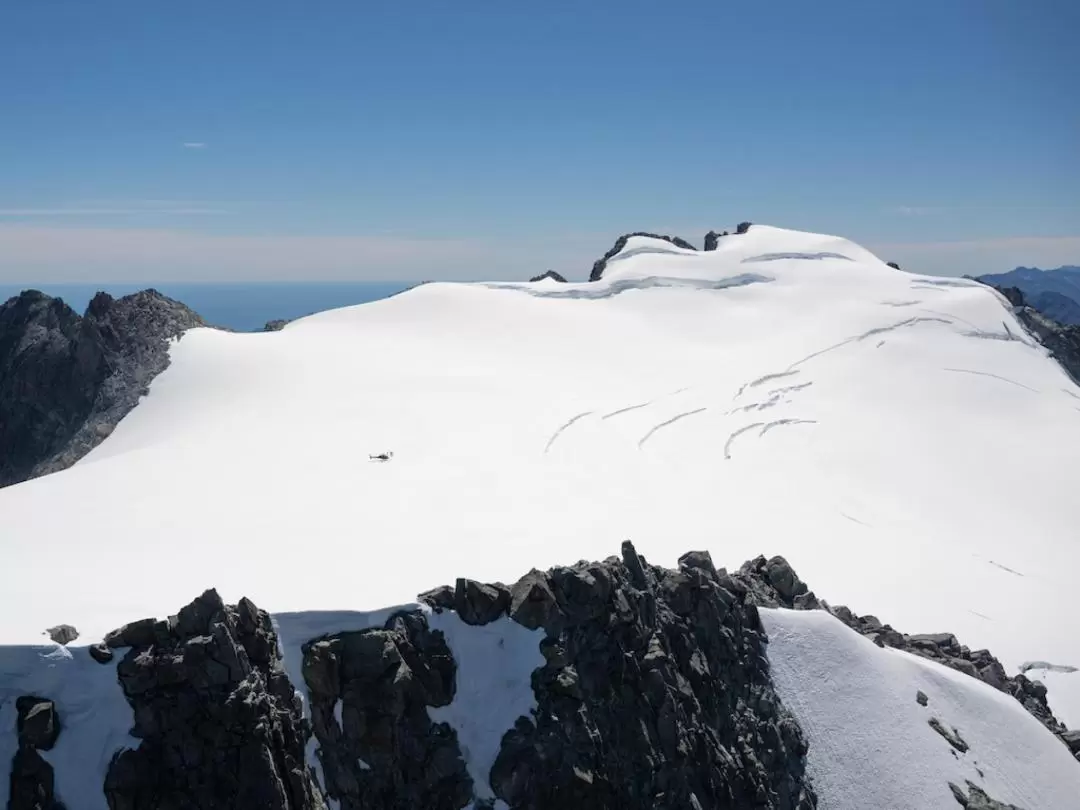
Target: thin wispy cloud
194,145
96,212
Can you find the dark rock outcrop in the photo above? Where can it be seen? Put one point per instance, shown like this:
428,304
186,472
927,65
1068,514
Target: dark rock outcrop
712,239
66,380
369,696
1063,342
37,727
62,633
620,243
549,274
743,227
220,723
893,265
655,694
977,799
276,325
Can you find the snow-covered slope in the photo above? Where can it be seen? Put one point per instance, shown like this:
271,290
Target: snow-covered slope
859,706
899,438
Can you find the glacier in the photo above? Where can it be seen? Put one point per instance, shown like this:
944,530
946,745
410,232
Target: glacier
899,438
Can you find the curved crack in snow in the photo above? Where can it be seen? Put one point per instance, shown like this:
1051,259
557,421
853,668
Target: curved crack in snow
993,376
673,419
559,432
736,434
594,291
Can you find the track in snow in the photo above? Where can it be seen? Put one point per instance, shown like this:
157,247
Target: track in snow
993,376
559,432
672,420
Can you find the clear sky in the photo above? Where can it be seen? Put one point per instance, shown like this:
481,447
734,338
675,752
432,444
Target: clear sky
338,139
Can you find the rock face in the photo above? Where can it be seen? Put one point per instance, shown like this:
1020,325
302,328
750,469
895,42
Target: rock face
772,583
220,724
656,692
37,727
369,696
66,380
601,263
549,274
276,325
712,239
1062,341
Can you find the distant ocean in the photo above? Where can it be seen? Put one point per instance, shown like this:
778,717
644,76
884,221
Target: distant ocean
244,307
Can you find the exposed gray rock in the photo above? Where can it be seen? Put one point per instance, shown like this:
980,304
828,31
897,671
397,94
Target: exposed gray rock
532,601
133,634
655,694
386,753
36,722
1062,341
921,698
977,799
893,265
548,274
32,781
276,325
1072,739
712,239
620,243
100,653
219,721
66,380
743,227
37,727
63,633
951,736
477,603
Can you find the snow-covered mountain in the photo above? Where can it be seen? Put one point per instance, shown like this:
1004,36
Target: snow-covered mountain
901,439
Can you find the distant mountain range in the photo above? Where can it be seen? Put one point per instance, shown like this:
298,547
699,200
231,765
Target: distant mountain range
1055,293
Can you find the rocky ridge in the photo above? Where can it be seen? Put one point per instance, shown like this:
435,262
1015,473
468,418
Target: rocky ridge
1063,342
601,264
66,381
655,692
549,274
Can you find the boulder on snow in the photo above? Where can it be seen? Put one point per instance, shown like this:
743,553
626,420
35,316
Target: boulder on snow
100,653
743,227
893,265
62,633
37,723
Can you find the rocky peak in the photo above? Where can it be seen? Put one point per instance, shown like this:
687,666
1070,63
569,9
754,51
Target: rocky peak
712,239
66,380
620,243
548,274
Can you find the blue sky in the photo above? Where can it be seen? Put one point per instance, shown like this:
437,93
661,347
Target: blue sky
377,140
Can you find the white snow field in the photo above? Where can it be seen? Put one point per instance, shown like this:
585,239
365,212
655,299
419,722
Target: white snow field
898,438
